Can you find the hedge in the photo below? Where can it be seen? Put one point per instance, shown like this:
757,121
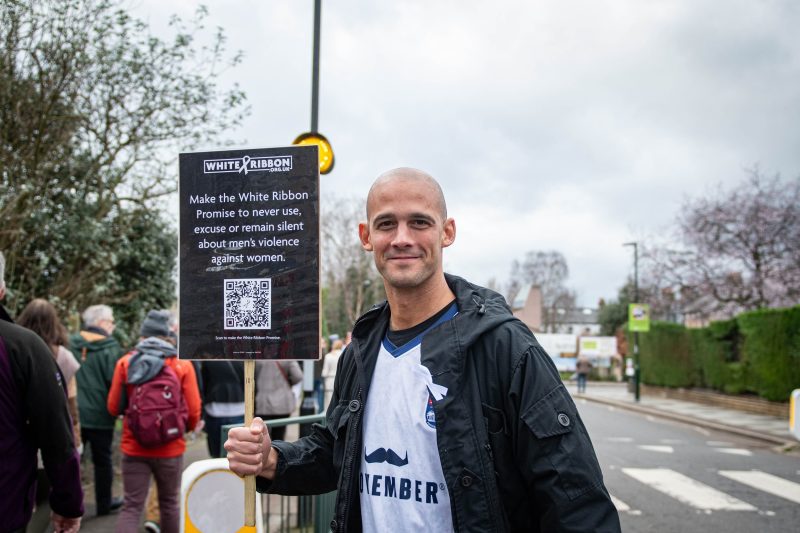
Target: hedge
756,352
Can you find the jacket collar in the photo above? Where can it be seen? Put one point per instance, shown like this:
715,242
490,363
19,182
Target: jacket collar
443,348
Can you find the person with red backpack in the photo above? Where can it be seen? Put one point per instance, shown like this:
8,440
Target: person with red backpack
158,394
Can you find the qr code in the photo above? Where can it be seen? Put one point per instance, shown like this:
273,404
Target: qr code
248,303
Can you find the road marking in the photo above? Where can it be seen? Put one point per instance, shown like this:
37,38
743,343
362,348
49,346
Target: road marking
716,443
670,441
619,504
619,439
778,486
735,451
687,490
656,448
623,507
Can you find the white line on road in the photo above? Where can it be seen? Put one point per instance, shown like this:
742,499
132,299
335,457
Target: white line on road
656,448
623,507
619,504
687,490
718,443
778,486
735,451
619,439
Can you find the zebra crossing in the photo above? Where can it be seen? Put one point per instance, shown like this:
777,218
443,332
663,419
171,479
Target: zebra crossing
701,496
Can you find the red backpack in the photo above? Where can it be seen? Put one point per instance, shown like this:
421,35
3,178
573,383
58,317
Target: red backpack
157,412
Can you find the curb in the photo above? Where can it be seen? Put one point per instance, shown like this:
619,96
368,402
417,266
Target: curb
749,433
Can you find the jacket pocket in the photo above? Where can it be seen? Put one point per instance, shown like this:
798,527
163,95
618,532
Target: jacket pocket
495,420
554,421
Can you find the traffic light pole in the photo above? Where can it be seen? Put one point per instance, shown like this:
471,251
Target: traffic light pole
315,69
636,362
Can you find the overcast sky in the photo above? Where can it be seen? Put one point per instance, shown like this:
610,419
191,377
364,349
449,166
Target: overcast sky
551,125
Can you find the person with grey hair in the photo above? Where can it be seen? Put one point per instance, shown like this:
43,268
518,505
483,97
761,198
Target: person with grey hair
98,353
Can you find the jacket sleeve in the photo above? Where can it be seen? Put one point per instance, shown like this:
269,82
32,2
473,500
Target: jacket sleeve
305,466
191,393
110,360
45,398
114,400
558,464
312,464
295,373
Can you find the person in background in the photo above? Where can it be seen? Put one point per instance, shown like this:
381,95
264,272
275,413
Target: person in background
165,462
329,369
34,416
274,396
582,368
152,515
41,317
223,399
98,352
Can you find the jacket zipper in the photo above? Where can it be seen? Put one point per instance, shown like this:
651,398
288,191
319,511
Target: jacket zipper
349,466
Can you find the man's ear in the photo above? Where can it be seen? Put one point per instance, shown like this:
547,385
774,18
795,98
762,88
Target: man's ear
363,235
449,233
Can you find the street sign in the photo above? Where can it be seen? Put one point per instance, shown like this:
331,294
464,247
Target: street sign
639,317
249,254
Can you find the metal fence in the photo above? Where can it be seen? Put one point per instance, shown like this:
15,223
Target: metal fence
293,514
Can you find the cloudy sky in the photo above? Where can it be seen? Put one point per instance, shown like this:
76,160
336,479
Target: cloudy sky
552,125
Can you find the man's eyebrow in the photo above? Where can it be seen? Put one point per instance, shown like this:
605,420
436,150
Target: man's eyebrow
412,216
383,217
425,216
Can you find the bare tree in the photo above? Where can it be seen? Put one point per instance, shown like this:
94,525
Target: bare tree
350,280
740,247
549,271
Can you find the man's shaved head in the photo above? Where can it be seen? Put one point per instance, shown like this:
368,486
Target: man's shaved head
410,175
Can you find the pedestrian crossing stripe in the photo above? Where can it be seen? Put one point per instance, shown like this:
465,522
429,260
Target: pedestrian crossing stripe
623,507
657,448
769,483
735,451
687,490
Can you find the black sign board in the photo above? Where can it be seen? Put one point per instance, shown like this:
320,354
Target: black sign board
249,254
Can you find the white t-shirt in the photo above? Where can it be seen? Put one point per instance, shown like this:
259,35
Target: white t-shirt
401,483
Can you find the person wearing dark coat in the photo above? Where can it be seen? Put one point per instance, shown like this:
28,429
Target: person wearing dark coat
34,416
446,413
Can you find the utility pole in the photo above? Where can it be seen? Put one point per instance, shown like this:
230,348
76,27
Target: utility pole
636,368
314,137
315,69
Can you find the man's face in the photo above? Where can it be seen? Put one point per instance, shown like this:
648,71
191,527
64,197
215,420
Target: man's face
108,324
406,232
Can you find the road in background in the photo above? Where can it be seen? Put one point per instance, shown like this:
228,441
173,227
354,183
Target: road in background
671,477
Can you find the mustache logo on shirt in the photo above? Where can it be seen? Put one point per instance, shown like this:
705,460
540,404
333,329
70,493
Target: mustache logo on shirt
385,455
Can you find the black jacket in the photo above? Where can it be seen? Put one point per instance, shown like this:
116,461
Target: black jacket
514,451
221,381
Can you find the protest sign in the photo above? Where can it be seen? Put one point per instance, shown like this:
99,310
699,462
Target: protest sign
249,254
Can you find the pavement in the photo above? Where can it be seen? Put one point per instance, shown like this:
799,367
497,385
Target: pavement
769,429
766,428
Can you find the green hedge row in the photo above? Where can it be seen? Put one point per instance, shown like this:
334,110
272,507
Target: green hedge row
756,352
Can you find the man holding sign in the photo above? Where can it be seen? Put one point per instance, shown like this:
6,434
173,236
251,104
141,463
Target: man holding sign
446,413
